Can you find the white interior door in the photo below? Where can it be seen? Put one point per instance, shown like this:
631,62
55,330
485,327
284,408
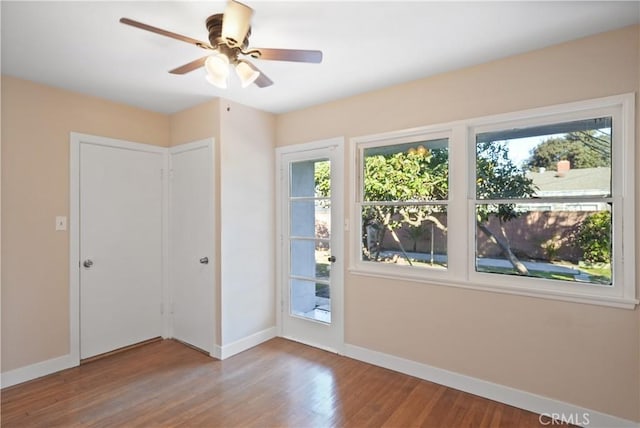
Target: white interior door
121,246
311,257
191,273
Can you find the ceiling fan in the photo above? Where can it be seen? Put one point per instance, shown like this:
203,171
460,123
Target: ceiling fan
228,41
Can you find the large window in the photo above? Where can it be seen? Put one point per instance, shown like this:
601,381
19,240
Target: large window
537,202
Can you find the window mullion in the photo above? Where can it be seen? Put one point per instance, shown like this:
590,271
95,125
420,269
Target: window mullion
458,233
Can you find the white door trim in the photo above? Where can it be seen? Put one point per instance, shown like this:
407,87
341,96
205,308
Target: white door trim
339,226
208,143
74,229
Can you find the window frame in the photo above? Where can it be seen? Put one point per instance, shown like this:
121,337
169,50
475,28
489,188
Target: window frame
461,232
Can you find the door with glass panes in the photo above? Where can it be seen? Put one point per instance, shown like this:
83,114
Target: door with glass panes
311,254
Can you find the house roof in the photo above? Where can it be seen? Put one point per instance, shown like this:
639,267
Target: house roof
574,182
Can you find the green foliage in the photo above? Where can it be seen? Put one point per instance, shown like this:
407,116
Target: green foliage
594,238
497,177
551,248
583,149
322,176
407,176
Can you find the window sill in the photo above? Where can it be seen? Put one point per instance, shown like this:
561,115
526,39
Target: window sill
439,280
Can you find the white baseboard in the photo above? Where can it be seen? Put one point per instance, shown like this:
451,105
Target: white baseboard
315,345
34,371
504,394
226,351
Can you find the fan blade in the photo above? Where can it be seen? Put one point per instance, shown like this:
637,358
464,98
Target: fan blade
236,22
295,55
262,81
193,65
165,33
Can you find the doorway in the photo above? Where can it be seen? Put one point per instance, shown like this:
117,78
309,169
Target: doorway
310,254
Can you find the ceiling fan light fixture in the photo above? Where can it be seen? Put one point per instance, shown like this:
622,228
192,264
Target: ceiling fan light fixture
229,39
220,82
246,73
236,23
217,66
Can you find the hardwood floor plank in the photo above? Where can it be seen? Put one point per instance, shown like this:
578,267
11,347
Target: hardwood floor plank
276,384
419,405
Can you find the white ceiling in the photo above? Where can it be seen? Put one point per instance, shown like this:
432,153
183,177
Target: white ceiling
82,47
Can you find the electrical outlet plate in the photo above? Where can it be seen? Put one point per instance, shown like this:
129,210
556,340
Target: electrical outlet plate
61,222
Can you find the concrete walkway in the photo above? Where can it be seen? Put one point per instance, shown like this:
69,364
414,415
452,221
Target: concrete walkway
493,263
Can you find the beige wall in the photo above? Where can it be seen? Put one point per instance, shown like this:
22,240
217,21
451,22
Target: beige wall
588,68
196,123
36,122
581,354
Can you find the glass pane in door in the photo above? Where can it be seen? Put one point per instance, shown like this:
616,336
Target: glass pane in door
302,209
302,251
310,240
310,299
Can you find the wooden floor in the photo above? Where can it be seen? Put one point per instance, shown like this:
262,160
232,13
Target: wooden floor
279,383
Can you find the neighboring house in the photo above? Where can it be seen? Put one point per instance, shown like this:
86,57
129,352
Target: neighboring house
569,183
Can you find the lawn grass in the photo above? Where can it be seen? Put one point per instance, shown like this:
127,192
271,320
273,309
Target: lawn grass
596,275
532,273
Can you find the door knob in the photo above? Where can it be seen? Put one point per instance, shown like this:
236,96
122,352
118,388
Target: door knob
87,263
204,260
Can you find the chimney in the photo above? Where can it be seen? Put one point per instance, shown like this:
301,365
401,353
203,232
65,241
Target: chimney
562,167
